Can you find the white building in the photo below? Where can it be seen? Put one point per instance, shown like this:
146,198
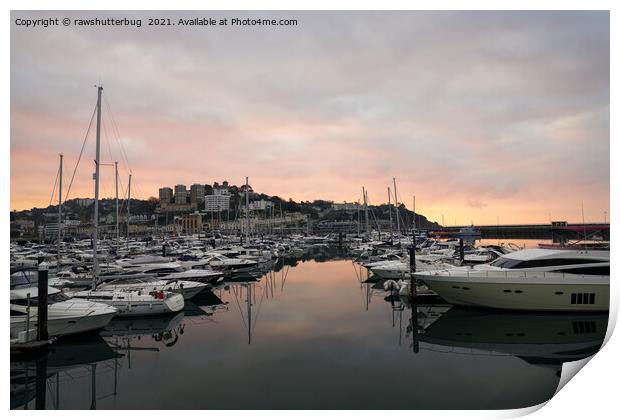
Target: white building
219,202
261,205
221,191
84,202
346,206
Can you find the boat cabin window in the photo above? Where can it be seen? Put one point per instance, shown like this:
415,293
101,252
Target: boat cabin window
597,271
161,271
503,262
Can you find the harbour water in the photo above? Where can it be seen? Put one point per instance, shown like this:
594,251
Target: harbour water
312,335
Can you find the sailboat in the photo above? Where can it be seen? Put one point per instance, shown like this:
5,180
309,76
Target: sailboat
128,303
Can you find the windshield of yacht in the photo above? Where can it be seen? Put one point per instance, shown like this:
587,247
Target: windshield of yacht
51,299
22,279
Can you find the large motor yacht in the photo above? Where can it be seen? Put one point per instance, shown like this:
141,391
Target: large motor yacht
531,279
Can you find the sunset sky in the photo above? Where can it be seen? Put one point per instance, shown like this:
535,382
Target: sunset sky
483,116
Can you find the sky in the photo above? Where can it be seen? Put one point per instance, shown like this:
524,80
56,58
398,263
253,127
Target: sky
484,117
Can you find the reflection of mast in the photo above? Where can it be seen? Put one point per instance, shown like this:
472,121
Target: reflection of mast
249,299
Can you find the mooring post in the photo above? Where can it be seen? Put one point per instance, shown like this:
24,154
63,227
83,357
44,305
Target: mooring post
412,268
42,304
461,250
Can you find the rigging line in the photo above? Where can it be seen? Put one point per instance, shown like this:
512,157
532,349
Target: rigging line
116,137
54,189
124,153
81,152
107,140
114,131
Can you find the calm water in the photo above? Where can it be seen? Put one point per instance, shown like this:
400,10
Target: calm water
314,337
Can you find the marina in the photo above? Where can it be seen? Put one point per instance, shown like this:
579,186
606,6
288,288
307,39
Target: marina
315,311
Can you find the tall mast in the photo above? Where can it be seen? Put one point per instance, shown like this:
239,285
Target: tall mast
128,209
364,196
396,205
415,225
96,215
390,212
59,210
247,208
118,240
367,219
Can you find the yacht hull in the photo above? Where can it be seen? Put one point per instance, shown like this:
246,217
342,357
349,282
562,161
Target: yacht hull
534,294
62,326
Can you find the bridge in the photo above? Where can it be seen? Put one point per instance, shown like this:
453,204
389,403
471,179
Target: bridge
553,230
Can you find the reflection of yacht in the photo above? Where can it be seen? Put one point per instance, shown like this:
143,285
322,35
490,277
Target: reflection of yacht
153,325
531,279
540,338
64,356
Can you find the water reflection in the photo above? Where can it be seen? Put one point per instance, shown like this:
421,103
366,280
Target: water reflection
316,332
542,339
41,381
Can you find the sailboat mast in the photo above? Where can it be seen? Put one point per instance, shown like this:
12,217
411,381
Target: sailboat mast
390,212
128,209
364,196
415,225
247,208
396,206
116,189
59,210
96,213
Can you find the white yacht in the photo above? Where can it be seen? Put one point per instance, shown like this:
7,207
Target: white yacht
224,264
66,316
136,302
187,288
143,260
195,275
531,279
401,269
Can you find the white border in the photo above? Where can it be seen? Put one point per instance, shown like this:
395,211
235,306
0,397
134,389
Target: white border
590,395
